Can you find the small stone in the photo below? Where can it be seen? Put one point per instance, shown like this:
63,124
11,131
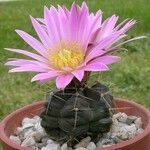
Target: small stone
83,143
139,131
19,130
107,145
38,135
49,141
15,139
28,120
104,141
116,116
123,136
40,145
53,146
121,125
28,133
122,117
28,142
21,136
36,118
44,140
38,126
64,147
107,141
107,135
138,123
91,146
127,132
35,148
132,131
45,148
116,139
114,127
99,144
27,125
130,119
81,148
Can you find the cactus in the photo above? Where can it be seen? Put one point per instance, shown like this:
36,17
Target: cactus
71,113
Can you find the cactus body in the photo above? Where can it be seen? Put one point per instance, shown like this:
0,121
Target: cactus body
72,114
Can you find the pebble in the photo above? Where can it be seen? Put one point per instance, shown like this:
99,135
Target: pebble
53,146
28,133
91,146
27,125
127,132
19,130
99,144
138,123
39,135
139,131
84,142
28,120
107,141
64,147
40,145
80,148
15,139
116,139
45,148
122,117
35,147
130,119
49,141
107,135
28,142
31,134
44,140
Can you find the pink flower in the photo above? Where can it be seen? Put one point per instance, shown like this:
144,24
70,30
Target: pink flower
70,43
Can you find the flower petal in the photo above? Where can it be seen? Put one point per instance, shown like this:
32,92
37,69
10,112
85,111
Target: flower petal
96,67
34,43
29,54
79,74
51,26
98,49
63,80
45,76
64,23
84,26
17,63
94,53
127,26
41,33
107,27
29,68
74,21
106,59
22,62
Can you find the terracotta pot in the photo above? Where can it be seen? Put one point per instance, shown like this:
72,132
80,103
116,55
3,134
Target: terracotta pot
140,142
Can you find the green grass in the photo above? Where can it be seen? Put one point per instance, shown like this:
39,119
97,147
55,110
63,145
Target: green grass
127,79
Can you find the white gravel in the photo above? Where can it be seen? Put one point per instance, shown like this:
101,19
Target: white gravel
31,134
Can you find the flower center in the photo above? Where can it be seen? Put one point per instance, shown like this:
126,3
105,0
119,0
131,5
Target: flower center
67,58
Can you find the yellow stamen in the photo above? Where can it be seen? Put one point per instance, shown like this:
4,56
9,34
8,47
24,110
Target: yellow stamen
70,57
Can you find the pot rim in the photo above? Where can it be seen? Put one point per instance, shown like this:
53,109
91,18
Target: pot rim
137,138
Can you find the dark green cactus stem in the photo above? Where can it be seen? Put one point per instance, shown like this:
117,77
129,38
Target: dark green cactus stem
72,114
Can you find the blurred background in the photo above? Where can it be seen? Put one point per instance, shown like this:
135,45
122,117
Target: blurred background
129,78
